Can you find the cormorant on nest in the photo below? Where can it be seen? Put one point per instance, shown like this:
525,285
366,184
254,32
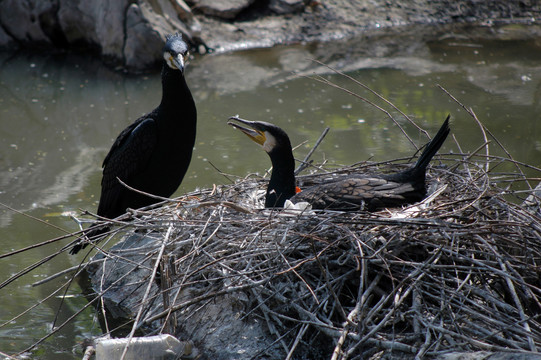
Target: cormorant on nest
152,154
352,192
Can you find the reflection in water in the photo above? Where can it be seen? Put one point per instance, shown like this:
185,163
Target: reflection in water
59,114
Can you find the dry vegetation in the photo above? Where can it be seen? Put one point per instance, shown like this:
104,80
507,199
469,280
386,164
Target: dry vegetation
461,273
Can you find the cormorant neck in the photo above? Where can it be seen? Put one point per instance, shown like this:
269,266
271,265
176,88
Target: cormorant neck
282,182
175,91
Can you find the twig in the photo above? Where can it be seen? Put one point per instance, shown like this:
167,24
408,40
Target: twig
330,83
381,97
89,352
304,163
73,316
147,291
298,339
66,271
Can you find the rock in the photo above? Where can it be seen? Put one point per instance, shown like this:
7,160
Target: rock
21,20
143,46
225,9
6,41
186,17
286,6
126,32
221,328
98,23
77,23
109,17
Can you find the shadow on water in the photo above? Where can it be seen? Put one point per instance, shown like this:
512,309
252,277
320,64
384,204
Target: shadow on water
59,114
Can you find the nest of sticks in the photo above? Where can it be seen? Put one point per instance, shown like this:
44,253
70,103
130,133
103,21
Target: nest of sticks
459,272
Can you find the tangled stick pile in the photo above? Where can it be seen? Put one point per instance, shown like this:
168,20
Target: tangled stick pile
460,272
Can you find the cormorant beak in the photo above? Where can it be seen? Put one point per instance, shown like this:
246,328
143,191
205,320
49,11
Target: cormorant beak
177,62
254,134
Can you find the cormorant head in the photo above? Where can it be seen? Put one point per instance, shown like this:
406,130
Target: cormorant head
277,145
175,52
269,136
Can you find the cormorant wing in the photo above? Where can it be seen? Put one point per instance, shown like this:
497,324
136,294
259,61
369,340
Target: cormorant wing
356,193
129,154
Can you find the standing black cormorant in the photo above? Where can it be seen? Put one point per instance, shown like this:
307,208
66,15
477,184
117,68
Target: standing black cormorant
153,153
352,192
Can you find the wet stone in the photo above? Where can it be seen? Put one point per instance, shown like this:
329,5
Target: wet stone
286,6
225,9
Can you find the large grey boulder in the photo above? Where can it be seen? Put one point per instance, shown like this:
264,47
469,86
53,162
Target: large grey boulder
225,9
22,20
125,32
98,22
143,46
286,6
221,328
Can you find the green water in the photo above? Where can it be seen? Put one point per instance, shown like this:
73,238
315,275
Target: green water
59,114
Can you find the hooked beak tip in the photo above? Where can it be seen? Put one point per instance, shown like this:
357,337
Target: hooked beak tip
179,62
